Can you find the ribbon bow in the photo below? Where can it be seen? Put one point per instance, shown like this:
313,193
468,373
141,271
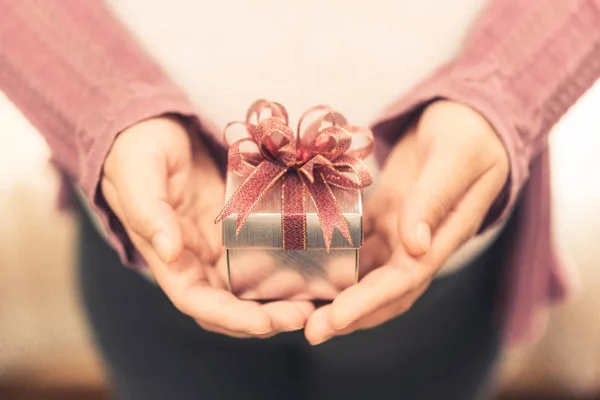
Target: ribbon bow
328,153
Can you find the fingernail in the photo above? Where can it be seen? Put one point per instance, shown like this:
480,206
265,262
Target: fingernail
263,329
342,326
259,332
294,328
162,245
423,235
322,340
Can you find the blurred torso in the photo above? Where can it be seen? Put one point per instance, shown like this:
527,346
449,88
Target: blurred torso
354,55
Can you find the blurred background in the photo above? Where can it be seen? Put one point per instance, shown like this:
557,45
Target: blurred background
45,350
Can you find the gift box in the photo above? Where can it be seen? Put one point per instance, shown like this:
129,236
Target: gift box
293,220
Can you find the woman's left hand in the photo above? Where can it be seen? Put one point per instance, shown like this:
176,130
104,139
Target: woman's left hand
433,195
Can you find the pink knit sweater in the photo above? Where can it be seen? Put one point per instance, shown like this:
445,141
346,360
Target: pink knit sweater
81,78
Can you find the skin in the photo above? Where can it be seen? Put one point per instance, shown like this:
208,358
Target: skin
434,192
165,189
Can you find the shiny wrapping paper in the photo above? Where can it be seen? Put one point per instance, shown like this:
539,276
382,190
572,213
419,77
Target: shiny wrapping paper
258,267
292,219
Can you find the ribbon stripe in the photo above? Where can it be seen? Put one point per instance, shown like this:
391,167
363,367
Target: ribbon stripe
293,212
329,152
328,210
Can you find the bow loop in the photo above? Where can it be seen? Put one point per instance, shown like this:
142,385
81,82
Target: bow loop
332,142
240,162
362,141
327,153
276,141
257,108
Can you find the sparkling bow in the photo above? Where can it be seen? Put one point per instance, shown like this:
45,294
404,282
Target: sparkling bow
329,152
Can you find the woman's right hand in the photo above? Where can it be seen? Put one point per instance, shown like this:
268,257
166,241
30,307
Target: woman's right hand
163,186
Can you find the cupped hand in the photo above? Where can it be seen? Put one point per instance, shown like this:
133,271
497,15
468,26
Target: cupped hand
434,192
163,186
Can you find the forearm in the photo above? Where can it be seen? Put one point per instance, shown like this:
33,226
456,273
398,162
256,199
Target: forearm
533,60
80,78
523,65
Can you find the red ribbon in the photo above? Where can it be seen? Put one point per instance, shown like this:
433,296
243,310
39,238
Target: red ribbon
327,153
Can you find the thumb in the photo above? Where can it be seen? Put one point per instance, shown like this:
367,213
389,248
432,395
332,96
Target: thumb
141,186
443,181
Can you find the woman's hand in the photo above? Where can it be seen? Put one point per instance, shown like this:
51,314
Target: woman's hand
435,191
165,189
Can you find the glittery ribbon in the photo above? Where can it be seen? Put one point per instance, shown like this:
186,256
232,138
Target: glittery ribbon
329,152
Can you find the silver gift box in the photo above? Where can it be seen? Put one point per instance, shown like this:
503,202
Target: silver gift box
258,268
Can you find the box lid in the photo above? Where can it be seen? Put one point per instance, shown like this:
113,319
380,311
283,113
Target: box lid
263,227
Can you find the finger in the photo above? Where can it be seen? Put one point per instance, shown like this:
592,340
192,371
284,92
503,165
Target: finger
236,334
216,306
220,308
466,219
385,313
403,273
141,186
444,179
141,245
186,284
381,286
319,328
211,233
288,316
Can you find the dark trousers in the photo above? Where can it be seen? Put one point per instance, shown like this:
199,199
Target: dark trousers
445,347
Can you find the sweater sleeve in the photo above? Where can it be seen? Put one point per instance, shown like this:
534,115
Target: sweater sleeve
522,66
81,79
